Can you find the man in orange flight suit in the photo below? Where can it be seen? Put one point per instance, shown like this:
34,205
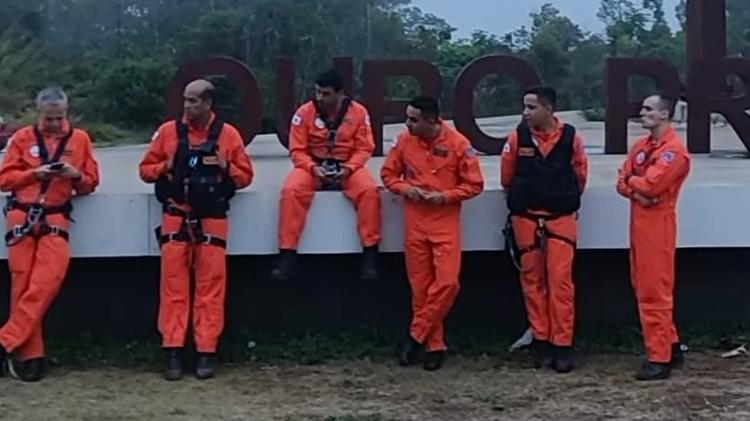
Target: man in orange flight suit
651,178
435,168
543,171
197,164
330,143
44,165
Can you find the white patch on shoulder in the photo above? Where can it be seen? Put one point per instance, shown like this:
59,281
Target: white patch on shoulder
296,120
34,151
319,123
506,148
155,136
368,123
668,156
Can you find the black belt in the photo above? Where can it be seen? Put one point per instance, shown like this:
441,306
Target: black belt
542,230
191,231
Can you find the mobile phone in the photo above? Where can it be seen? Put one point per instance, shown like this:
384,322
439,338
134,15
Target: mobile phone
57,166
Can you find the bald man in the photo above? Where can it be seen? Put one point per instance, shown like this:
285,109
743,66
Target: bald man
196,163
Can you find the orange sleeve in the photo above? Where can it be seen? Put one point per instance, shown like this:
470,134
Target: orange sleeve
471,181
298,141
508,160
154,163
89,170
625,172
670,166
364,145
392,170
238,160
14,173
580,162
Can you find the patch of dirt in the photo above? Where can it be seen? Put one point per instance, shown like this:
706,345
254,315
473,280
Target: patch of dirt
601,388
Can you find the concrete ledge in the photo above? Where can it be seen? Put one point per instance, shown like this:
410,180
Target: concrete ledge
121,225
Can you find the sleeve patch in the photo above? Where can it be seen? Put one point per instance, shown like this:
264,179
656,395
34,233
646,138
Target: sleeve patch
668,156
296,120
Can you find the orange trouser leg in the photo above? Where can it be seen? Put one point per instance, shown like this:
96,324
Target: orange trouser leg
21,262
361,189
296,198
210,288
433,268
652,254
174,305
561,290
533,282
50,264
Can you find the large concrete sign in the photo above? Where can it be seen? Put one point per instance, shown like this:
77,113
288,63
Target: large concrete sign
705,90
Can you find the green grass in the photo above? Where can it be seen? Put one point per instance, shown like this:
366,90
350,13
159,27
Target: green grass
317,347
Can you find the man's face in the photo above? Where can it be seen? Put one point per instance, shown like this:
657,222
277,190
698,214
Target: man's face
53,116
417,124
327,97
652,113
194,106
534,112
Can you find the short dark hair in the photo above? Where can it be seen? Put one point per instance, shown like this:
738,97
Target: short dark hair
667,101
330,79
428,106
545,94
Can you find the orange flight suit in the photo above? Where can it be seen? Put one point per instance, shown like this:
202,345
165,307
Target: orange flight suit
308,145
177,256
38,266
656,170
547,276
433,232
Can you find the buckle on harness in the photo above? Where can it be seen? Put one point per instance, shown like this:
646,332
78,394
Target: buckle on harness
34,214
18,231
207,238
54,230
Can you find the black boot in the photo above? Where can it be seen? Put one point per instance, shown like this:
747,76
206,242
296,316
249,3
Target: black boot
563,359
433,360
678,357
33,370
370,263
3,362
205,366
653,371
173,364
284,270
407,353
541,353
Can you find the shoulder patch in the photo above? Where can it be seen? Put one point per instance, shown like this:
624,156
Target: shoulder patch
297,120
667,156
640,157
368,123
155,135
471,152
506,148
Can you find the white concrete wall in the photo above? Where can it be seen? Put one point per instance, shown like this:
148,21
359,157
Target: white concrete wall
119,225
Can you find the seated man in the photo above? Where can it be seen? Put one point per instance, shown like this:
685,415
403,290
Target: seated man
330,143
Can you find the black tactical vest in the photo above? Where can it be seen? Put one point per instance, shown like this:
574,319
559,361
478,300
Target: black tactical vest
541,183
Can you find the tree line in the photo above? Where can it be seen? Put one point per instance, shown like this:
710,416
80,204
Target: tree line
116,57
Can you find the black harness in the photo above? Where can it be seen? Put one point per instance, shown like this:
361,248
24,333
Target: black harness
206,188
36,223
541,235
331,166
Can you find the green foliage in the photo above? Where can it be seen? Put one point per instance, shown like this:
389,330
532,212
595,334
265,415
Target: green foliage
131,92
116,58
